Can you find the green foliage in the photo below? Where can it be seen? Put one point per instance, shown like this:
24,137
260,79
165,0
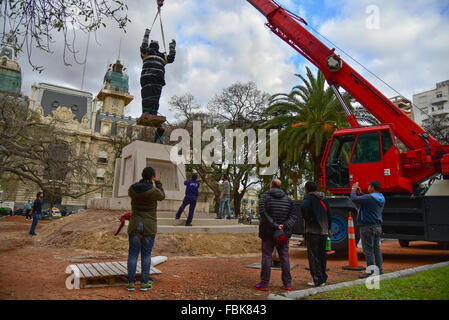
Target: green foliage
427,285
315,113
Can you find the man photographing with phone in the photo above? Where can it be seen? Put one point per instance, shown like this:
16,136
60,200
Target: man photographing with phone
142,226
369,219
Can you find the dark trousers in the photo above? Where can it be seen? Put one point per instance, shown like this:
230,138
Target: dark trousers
27,214
191,201
316,252
268,246
34,223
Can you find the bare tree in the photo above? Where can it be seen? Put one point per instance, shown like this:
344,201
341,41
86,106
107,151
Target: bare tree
32,151
33,23
240,105
438,127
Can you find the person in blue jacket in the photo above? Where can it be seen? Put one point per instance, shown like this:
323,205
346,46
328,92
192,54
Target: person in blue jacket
190,198
369,219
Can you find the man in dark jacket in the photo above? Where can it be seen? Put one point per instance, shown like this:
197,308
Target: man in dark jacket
152,78
277,211
369,219
159,135
36,212
192,187
142,226
317,216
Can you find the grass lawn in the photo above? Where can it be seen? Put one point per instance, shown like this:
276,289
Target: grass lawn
427,285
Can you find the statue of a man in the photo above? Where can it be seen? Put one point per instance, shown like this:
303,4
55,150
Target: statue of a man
152,78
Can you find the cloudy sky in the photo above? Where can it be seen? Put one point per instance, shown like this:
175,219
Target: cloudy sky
220,42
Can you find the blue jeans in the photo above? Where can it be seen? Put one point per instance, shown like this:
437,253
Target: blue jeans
158,138
36,217
191,202
370,236
224,201
139,243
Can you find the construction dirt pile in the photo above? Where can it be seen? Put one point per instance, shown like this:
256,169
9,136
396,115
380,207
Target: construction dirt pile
94,230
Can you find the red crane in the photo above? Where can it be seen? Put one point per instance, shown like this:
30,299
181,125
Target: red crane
398,172
363,154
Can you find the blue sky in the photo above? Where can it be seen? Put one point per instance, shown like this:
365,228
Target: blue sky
222,42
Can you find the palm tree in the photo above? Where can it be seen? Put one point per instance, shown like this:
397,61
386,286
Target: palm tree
306,118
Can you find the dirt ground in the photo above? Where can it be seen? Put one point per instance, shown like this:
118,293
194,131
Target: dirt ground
198,266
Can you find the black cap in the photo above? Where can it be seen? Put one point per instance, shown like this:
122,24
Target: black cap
148,173
375,184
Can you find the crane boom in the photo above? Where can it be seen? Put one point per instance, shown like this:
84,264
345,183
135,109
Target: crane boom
426,156
291,31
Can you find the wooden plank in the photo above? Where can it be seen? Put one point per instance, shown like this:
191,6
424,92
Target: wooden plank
125,264
114,268
92,270
84,270
124,270
101,270
105,267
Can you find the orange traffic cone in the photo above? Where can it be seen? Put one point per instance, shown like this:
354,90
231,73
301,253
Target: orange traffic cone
352,248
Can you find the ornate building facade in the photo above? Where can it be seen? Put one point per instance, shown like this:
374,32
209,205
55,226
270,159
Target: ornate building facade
91,124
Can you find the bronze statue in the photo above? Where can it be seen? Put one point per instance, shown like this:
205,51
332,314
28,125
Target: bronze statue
152,78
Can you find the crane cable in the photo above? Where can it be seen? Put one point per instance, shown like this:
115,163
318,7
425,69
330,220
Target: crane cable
158,13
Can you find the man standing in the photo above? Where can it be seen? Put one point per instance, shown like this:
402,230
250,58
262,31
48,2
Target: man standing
192,187
36,212
369,220
224,197
159,135
28,208
142,226
277,212
317,216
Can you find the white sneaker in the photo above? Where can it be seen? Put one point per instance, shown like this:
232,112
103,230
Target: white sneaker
312,284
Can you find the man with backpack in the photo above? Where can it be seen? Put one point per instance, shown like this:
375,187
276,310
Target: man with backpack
317,216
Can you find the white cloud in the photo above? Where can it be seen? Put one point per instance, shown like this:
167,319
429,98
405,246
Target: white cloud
218,43
409,50
221,42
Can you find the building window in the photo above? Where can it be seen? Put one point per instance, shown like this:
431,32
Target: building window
106,129
102,157
439,94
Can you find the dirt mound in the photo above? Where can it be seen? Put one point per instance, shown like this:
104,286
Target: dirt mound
94,230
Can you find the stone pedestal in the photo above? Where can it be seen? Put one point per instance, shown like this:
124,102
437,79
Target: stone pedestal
140,154
128,170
